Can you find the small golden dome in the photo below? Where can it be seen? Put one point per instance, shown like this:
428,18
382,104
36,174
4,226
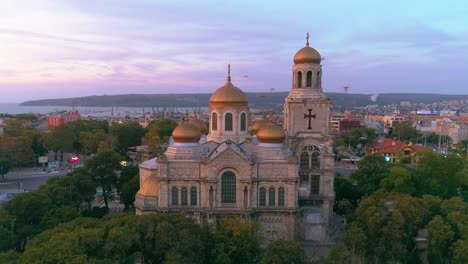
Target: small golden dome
186,133
200,124
257,125
271,133
228,93
307,54
149,187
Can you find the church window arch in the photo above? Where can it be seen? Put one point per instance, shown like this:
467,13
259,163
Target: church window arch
309,79
193,196
175,196
281,196
211,196
299,79
262,197
318,78
271,196
228,187
214,121
246,197
243,122
228,122
183,196
309,166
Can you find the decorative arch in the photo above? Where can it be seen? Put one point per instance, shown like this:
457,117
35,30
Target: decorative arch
262,197
309,169
214,121
309,79
175,196
281,196
271,196
299,79
193,196
228,187
243,122
183,196
228,122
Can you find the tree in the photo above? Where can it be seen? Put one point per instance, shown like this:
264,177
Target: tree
128,134
405,132
441,236
399,179
90,141
4,167
164,126
156,144
102,169
60,139
284,251
347,196
372,169
128,185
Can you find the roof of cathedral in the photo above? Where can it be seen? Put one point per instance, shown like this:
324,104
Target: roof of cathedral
271,133
307,55
257,125
228,93
186,133
200,124
150,164
149,187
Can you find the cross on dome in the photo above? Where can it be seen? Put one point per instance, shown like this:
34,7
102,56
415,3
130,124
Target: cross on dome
229,73
307,38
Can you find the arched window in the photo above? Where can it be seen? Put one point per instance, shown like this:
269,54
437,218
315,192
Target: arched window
318,78
243,124
309,79
228,122
214,121
281,196
262,197
315,161
175,196
299,79
183,196
304,161
193,196
228,187
211,196
308,169
271,196
246,197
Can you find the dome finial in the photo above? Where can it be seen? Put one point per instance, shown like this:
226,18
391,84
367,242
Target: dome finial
229,73
307,38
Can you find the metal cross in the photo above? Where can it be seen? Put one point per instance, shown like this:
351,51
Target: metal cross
310,116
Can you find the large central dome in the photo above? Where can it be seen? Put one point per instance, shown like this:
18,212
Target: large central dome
228,93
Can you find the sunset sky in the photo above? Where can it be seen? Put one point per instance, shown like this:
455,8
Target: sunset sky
68,48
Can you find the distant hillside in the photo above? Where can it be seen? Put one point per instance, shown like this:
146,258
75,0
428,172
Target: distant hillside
258,100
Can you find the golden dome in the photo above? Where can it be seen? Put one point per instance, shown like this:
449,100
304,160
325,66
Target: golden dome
307,54
228,93
200,124
186,133
257,125
149,187
271,133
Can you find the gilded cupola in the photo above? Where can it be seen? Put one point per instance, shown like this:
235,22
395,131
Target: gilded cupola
186,132
228,93
307,54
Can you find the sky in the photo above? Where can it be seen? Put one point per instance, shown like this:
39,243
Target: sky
68,48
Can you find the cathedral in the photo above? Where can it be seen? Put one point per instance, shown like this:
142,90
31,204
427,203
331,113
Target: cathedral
278,176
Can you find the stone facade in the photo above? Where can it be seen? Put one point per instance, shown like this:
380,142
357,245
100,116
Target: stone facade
284,184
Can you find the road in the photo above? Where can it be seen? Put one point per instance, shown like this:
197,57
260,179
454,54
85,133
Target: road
26,180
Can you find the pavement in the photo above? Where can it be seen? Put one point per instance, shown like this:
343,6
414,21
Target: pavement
27,179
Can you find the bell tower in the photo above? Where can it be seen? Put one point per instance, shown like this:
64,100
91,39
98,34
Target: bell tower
307,109
306,123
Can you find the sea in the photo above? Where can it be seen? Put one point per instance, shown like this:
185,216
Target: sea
16,108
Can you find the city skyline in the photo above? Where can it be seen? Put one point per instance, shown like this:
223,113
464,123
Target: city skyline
57,49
